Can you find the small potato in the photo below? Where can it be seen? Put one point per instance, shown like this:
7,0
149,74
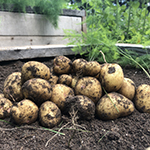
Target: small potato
65,79
111,77
53,78
12,87
128,88
113,106
78,65
90,87
38,90
60,93
5,107
49,114
24,112
62,65
34,69
91,68
74,81
80,106
142,98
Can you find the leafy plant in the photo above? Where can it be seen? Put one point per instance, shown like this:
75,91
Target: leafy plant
50,8
108,24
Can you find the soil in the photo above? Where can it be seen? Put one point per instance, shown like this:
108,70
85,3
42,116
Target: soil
126,133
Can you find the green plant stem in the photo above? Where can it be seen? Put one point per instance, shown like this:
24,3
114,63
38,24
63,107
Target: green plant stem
102,137
110,98
129,18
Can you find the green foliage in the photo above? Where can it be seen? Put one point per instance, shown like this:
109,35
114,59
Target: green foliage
109,24
50,8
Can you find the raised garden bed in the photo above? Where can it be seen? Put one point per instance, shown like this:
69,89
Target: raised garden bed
126,133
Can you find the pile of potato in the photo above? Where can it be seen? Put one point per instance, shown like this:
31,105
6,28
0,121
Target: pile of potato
86,89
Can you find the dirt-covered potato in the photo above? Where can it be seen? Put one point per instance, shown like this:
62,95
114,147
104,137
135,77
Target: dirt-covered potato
114,105
5,107
34,69
49,114
74,81
111,77
62,65
78,65
38,90
142,98
24,112
90,87
91,68
128,88
12,87
53,77
60,93
80,106
65,79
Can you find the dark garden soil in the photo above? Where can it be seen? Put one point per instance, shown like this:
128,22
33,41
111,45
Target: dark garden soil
127,133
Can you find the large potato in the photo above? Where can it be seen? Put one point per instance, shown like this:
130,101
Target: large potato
90,87
24,112
128,88
38,90
5,107
65,79
49,114
34,69
80,106
12,87
91,68
111,77
62,65
113,106
142,98
60,93
78,65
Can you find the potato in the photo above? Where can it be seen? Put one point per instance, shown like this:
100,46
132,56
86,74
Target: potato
65,79
91,68
49,114
142,98
5,107
24,112
53,78
128,88
34,69
62,65
80,106
60,93
106,110
90,87
2,95
74,81
78,65
12,87
38,90
111,77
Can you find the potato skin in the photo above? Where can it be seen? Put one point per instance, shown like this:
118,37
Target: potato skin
65,79
106,110
128,88
38,90
111,77
90,87
5,107
49,114
34,69
78,65
62,65
53,77
24,112
142,98
12,87
91,68
82,105
60,93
